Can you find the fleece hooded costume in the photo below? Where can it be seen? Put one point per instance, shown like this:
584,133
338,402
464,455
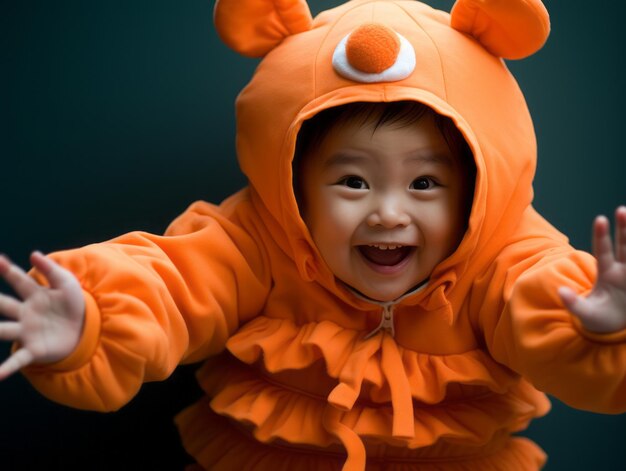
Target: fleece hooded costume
305,374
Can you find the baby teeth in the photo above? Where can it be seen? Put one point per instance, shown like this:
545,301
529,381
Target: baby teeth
386,247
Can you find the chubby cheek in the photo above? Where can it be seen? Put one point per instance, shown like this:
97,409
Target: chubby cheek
332,224
446,228
434,224
343,215
340,221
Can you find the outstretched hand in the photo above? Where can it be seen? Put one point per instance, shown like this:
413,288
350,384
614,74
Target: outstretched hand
46,322
604,309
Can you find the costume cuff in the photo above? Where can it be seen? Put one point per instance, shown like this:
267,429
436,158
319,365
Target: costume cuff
608,338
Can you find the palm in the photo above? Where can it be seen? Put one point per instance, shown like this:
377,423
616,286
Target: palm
34,325
46,323
604,309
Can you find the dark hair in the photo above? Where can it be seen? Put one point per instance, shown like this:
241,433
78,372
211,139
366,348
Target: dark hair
400,113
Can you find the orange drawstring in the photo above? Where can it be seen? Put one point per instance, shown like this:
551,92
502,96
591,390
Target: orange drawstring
350,440
345,394
401,399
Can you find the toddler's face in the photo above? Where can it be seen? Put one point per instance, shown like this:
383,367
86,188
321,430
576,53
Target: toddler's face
384,206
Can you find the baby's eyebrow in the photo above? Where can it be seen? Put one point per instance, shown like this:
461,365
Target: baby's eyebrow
345,159
433,158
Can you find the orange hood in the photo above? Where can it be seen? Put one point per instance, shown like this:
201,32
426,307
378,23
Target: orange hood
458,70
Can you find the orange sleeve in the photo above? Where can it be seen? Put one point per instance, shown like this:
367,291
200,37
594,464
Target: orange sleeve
153,302
527,328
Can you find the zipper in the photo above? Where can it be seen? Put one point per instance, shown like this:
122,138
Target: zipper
386,321
386,315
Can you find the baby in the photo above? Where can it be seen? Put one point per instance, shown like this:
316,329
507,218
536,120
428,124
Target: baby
385,190
382,292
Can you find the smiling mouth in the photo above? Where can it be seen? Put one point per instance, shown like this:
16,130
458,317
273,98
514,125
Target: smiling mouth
386,255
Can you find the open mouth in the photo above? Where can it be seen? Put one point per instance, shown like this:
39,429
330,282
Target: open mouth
385,254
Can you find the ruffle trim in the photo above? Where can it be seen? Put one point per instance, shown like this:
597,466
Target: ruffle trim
352,360
217,445
274,412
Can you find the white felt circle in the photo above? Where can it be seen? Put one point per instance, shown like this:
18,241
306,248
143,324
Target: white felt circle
401,68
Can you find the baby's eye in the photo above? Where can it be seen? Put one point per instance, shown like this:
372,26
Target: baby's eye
423,183
354,182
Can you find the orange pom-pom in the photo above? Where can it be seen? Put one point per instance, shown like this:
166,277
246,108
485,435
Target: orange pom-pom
372,48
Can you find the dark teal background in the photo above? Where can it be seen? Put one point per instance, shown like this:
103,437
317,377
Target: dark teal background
114,116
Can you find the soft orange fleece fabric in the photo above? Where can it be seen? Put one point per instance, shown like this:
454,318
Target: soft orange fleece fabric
292,382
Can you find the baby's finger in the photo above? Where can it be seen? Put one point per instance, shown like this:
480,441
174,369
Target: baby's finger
602,245
568,296
9,331
15,362
575,304
9,307
620,234
54,273
593,312
17,278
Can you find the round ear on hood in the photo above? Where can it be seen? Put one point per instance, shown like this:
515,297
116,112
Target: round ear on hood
255,27
511,29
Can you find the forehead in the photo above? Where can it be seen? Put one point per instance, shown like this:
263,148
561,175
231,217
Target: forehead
352,141
418,160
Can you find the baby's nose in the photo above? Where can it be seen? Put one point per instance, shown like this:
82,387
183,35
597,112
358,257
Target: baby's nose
390,212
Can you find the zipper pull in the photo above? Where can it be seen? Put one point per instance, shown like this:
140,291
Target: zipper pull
386,322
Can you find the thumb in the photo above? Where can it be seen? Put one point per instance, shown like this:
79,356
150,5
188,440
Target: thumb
577,305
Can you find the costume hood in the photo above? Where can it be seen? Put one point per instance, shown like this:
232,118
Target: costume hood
384,51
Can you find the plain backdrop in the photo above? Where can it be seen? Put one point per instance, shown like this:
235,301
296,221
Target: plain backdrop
115,116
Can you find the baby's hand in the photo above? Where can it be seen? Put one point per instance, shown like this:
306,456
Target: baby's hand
47,322
604,310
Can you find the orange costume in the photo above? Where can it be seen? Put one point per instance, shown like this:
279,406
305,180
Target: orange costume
304,373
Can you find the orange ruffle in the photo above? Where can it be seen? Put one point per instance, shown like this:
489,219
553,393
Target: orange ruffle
274,412
283,345
220,446
324,386
217,445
